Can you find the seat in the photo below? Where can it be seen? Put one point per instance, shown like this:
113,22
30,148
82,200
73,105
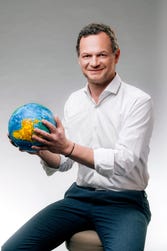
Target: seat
84,241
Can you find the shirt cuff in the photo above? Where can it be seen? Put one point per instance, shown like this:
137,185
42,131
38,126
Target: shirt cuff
65,165
104,161
49,170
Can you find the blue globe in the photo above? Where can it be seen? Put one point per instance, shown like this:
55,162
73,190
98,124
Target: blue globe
23,121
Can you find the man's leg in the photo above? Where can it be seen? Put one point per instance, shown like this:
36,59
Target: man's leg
50,227
121,225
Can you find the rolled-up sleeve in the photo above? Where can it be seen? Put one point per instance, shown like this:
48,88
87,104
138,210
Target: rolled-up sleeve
104,161
132,145
65,165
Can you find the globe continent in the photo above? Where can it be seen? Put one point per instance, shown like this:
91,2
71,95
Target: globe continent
23,121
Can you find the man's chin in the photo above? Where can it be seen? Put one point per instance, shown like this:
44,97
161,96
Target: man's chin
96,81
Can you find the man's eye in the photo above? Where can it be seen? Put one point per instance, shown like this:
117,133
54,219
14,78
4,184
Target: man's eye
102,55
86,56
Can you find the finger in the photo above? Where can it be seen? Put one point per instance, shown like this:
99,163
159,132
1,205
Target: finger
39,148
34,152
42,133
58,122
41,136
49,125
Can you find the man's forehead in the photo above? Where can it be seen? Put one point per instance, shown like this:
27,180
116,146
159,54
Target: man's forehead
96,42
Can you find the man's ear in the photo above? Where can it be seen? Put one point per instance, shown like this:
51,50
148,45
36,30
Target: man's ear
117,55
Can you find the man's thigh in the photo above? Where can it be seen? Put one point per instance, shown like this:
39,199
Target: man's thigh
50,227
121,228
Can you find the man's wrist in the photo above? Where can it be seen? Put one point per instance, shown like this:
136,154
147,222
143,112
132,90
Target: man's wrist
71,151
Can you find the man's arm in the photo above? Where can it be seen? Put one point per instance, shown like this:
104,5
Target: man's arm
133,140
83,155
56,143
50,159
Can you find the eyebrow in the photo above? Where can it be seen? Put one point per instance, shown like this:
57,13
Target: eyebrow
85,52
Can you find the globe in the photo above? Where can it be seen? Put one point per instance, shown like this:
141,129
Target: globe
23,121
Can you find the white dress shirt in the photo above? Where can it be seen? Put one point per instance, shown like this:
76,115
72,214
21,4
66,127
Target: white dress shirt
118,129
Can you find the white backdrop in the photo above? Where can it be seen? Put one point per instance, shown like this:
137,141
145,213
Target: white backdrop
38,64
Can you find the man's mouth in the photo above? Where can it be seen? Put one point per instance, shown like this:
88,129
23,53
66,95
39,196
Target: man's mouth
95,70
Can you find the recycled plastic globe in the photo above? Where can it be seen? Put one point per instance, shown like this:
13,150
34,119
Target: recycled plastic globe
23,121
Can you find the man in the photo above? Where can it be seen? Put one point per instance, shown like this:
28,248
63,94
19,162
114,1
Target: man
107,129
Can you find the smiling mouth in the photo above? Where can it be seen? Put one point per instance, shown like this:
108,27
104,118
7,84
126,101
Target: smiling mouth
95,70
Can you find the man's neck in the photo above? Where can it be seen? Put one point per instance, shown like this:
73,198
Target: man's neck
96,90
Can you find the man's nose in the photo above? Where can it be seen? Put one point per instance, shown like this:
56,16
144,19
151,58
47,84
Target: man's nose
94,61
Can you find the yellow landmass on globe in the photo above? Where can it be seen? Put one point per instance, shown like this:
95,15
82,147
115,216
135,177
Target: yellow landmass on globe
26,131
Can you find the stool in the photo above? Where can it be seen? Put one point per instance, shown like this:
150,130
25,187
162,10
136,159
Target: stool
84,241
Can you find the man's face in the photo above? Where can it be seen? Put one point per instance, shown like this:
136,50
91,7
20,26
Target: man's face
97,59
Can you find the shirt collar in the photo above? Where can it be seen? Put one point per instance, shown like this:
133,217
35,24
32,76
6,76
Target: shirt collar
112,88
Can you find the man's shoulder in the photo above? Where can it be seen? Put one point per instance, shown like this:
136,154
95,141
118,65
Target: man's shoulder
78,94
134,92
76,98
80,91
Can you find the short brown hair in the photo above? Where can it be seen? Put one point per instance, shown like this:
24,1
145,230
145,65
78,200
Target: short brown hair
96,28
